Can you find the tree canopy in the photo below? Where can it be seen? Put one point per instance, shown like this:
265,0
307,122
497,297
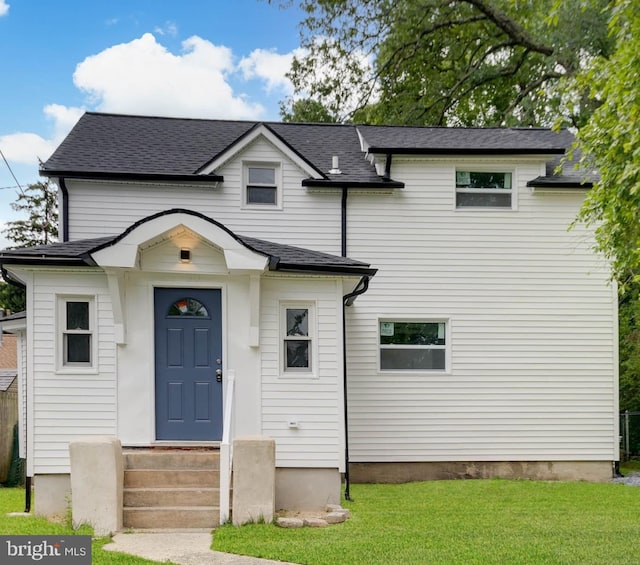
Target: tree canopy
450,62
39,201
610,144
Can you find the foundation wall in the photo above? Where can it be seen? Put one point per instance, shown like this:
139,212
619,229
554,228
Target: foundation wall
596,471
52,495
306,489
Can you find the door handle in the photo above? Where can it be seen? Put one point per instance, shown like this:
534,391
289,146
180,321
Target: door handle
219,375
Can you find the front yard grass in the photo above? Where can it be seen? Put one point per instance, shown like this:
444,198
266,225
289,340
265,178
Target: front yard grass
466,521
12,500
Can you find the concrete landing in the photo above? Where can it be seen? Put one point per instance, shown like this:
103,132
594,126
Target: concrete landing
180,548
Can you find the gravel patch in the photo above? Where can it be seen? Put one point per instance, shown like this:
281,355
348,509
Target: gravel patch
632,479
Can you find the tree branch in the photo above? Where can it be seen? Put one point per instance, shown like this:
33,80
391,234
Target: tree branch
511,28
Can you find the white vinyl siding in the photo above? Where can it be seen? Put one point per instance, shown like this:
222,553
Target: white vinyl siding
532,326
70,406
98,209
315,403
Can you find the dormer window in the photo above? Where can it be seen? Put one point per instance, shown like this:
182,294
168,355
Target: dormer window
483,189
262,184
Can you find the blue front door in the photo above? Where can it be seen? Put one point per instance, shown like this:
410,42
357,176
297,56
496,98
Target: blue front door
188,362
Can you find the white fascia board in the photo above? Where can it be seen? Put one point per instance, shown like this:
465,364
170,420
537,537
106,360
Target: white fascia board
263,131
14,325
124,253
364,145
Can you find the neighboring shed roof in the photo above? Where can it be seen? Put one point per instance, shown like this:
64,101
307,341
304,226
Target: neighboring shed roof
6,379
114,145
15,316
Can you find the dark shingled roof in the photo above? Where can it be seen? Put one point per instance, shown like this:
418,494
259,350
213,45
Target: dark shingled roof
561,174
458,140
281,257
114,145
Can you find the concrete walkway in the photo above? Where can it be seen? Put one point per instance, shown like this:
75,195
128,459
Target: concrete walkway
181,548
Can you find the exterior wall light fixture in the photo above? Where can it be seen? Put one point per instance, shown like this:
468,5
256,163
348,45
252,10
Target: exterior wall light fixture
185,255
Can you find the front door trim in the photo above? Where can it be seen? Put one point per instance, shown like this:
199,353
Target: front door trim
192,432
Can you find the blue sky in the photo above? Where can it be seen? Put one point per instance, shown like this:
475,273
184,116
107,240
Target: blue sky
192,58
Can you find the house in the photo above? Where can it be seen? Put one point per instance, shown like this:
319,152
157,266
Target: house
398,303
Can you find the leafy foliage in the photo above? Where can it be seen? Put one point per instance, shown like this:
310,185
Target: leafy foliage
306,110
40,202
629,350
610,143
450,62
12,298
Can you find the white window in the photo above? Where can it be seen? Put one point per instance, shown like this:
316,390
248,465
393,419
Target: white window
483,189
77,340
262,184
297,321
413,345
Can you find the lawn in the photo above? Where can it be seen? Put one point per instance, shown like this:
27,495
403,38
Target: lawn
12,500
470,522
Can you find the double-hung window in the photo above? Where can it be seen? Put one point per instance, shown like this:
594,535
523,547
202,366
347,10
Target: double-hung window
413,345
483,189
297,338
76,332
261,187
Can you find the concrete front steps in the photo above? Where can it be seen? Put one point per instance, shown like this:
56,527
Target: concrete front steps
171,488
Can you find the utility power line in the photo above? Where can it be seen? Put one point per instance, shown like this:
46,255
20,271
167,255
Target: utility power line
11,171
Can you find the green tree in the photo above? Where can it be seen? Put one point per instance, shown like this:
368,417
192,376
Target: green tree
450,62
40,227
610,144
305,110
40,202
629,315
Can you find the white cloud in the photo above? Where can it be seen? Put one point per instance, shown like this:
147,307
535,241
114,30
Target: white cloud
25,147
270,67
63,117
4,8
143,77
169,28
28,148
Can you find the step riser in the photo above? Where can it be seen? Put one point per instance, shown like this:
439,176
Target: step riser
171,489
141,478
168,518
170,497
201,460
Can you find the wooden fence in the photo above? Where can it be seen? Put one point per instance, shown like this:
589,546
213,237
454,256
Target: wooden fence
8,419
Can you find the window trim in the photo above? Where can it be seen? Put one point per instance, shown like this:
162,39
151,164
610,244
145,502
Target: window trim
61,332
277,167
424,320
472,168
289,372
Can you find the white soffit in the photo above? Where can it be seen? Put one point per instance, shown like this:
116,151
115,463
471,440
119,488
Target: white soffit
124,253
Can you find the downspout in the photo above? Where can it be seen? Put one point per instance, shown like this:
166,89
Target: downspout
27,486
387,167
347,300
343,212
65,208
